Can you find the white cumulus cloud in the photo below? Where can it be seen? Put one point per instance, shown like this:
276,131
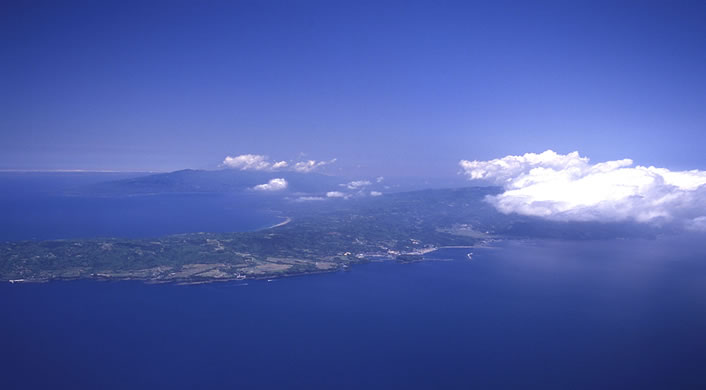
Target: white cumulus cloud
375,193
245,162
259,162
569,188
280,165
336,194
272,185
310,165
309,198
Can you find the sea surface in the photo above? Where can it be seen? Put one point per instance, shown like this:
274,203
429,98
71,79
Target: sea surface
588,315
609,314
43,206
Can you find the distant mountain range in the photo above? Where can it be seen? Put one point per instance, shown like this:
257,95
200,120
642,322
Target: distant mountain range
230,180
226,180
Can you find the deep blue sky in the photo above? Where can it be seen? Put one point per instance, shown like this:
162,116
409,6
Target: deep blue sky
386,87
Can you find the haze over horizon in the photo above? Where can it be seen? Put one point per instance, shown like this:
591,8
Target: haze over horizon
400,88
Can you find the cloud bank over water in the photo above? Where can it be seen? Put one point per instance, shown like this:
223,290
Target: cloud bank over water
570,188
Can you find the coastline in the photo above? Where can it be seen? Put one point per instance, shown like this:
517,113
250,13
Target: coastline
147,275
178,281
204,280
286,221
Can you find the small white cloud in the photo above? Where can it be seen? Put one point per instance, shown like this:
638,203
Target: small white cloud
258,162
375,193
568,187
309,198
336,194
310,165
280,165
245,162
354,185
253,162
273,185
379,179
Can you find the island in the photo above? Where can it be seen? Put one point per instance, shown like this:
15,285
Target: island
401,227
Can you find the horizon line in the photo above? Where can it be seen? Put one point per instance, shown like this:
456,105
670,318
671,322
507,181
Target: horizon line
78,171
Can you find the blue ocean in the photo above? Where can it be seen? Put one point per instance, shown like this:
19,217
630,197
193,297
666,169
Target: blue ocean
611,314
44,206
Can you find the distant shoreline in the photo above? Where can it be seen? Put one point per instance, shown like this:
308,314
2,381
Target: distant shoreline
286,221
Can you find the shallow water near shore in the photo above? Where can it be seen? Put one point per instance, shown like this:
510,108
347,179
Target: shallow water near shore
538,314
